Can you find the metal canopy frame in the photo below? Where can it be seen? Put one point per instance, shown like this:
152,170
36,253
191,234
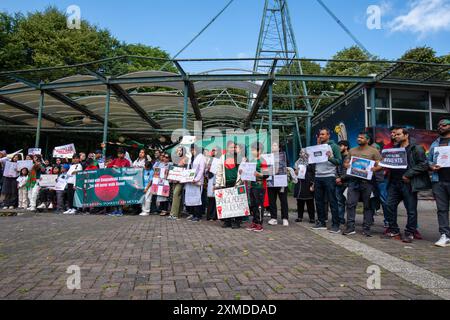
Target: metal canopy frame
71,92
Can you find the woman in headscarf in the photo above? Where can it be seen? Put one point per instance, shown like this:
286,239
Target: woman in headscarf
304,189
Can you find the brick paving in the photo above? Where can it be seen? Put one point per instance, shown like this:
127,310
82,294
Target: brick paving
152,258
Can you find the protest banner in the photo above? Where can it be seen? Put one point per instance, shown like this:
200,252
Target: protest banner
48,180
66,151
442,156
318,154
10,169
361,168
232,203
24,164
394,158
35,151
302,172
248,171
109,187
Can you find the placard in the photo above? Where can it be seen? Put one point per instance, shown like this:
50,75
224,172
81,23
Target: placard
442,156
60,184
395,158
66,151
24,164
280,181
181,175
10,170
48,180
361,168
248,171
74,169
34,151
302,171
232,203
160,187
318,154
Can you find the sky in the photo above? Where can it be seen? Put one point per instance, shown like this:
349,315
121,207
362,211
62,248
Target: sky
170,24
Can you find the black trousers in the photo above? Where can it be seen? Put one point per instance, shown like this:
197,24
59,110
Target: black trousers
275,193
196,211
441,191
211,213
70,195
257,204
310,206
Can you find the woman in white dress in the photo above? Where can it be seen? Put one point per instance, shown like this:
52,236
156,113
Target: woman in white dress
193,196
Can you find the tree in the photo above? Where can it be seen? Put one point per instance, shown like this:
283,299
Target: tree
417,71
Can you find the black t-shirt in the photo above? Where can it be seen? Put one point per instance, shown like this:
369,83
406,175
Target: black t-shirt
444,173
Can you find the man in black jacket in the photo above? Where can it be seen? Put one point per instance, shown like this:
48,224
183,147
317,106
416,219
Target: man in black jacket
404,185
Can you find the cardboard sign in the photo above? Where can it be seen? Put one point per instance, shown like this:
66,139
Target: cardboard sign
25,164
232,203
10,170
318,154
394,158
60,184
181,175
248,171
35,151
160,188
280,181
74,169
361,168
48,180
442,156
302,171
66,151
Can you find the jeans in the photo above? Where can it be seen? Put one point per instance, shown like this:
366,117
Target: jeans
341,202
383,193
441,191
326,187
399,191
310,207
257,204
60,204
357,190
273,194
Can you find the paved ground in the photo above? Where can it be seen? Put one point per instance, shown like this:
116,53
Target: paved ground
152,258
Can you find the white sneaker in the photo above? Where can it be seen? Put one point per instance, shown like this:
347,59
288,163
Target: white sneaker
67,211
73,211
11,208
42,206
273,222
29,209
286,222
266,214
443,242
50,206
144,214
5,208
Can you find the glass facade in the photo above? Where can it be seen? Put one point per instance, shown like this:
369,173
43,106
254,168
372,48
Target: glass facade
417,109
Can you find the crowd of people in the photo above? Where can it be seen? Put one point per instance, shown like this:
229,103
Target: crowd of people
323,188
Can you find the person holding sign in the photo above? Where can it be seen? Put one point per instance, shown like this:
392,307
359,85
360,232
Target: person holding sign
32,184
71,175
117,163
404,185
181,161
228,177
441,181
148,180
258,189
193,195
304,189
361,186
9,188
325,183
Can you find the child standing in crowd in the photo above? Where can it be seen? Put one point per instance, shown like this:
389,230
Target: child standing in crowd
304,189
74,168
32,184
258,189
22,190
148,179
61,185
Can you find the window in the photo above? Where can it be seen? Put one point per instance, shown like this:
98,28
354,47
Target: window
417,100
382,98
438,102
383,118
416,120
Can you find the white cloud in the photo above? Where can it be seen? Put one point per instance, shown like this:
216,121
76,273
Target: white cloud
424,17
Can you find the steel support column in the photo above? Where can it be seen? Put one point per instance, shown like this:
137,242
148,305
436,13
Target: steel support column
186,104
373,108
39,121
105,124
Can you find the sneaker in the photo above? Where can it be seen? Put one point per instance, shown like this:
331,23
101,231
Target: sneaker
319,226
367,233
252,227
172,218
29,209
119,214
5,208
69,211
408,238
190,218
266,214
74,211
226,225
195,219
349,232
258,228
443,242
50,206
144,214
285,222
298,220
312,221
11,208
335,230
273,222
112,214
42,206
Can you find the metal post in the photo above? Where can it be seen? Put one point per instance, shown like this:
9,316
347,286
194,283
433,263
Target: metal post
308,130
105,125
373,109
39,122
186,104
270,115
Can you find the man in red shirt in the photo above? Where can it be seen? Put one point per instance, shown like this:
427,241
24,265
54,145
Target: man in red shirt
119,162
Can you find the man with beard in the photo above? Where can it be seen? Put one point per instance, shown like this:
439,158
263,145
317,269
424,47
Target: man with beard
441,182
